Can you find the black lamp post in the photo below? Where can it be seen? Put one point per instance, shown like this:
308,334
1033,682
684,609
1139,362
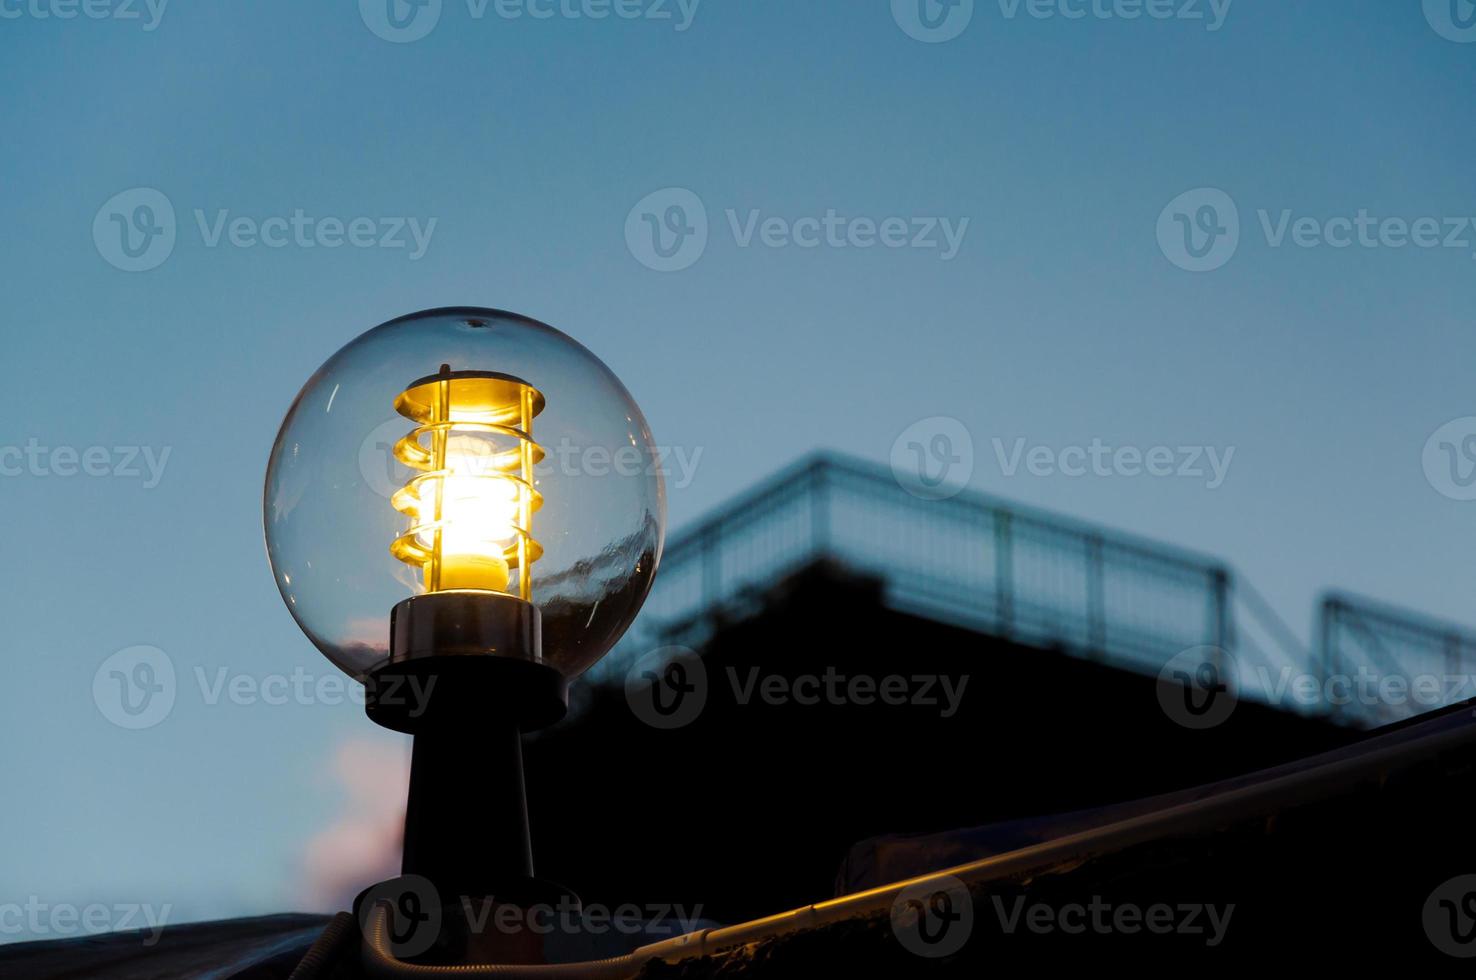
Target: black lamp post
415,570
465,681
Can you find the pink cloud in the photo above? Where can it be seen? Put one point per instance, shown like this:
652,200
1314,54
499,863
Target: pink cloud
362,844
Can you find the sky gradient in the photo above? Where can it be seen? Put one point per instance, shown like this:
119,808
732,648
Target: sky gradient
1030,292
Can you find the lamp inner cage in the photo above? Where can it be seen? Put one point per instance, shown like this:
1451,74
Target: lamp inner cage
470,506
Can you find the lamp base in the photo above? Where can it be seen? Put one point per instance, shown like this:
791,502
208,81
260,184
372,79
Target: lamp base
466,678
465,694
456,657
467,893
465,623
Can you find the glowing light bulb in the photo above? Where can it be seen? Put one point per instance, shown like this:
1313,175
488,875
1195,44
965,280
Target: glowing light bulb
466,521
471,506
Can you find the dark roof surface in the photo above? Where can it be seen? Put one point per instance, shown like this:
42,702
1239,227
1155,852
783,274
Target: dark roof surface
264,947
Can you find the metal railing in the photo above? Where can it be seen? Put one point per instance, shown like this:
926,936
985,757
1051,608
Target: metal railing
1380,664
972,560
1044,580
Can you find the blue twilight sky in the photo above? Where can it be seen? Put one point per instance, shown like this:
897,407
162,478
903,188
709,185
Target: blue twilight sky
1062,315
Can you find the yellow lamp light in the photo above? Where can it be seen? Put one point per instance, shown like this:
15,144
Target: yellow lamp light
470,506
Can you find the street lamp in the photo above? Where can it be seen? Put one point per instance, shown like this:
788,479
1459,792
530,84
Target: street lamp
465,572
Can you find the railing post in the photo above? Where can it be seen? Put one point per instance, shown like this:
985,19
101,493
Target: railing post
712,568
1221,600
1096,599
1220,627
1004,572
1327,640
819,508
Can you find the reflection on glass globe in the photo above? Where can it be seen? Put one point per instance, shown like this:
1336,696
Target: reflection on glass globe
400,468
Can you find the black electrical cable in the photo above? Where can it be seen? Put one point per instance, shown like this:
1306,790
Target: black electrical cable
380,961
334,940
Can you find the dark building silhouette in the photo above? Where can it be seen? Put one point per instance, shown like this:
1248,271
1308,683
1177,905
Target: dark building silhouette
753,807
837,685
1058,632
